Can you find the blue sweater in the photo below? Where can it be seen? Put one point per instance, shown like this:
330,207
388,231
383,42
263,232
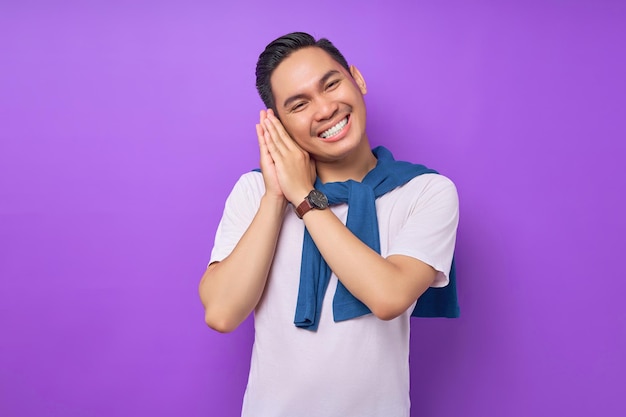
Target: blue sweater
363,222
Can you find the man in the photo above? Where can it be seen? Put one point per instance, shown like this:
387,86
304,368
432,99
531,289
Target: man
351,271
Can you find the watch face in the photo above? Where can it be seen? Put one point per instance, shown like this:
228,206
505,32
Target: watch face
318,199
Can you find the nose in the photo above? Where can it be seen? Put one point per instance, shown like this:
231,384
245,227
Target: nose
326,109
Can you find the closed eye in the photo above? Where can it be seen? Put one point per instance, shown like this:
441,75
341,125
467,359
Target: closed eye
332,84
298,106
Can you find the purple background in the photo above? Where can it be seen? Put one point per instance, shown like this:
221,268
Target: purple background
123,128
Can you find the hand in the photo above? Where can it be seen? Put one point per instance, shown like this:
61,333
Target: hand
268,169
294,168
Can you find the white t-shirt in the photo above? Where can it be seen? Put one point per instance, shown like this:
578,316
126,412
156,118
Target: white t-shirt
358,367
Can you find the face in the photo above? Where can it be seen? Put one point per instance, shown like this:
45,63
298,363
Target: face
320,104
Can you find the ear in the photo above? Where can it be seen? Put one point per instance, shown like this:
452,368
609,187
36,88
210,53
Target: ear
358,78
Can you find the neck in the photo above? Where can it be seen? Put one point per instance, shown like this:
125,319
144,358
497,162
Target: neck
353,167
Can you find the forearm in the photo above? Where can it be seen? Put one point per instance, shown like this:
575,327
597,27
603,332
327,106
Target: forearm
231,289
388,286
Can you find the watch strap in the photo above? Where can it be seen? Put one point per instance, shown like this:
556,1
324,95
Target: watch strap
303,208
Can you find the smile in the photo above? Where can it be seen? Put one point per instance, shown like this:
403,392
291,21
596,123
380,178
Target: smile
335,130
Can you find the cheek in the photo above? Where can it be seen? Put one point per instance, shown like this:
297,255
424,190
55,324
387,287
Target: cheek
298,129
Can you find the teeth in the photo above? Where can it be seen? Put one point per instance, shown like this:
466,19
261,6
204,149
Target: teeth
335,129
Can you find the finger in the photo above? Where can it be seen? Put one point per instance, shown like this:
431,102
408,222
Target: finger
270,144
261,138
279,136
273,136
264,153
289,142
278,129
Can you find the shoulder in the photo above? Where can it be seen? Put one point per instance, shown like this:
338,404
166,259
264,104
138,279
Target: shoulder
251,179
247,191
428,186
249,183
431,194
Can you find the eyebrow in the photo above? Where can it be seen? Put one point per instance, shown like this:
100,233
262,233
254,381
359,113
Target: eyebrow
321,82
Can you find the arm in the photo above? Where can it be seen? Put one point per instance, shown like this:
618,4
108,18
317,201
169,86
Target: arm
231,289
388,286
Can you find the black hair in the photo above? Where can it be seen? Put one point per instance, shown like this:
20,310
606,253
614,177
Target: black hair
279,49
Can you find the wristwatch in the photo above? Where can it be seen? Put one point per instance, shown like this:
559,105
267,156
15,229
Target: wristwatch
315,200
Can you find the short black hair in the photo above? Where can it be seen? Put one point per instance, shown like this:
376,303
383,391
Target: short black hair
279,49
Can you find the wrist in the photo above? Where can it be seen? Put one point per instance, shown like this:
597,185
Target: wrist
274,202
301,194
315,200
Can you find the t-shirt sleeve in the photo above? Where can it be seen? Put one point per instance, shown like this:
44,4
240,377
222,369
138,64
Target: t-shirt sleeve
239,210
429,232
